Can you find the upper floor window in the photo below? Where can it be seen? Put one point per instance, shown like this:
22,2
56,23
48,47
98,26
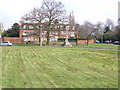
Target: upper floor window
53,33
31,27
24,27
63,32
61,27
72,33
56,33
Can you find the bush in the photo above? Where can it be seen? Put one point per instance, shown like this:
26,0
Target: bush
69,39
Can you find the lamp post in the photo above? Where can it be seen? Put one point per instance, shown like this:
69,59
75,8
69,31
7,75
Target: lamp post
1,30
102,34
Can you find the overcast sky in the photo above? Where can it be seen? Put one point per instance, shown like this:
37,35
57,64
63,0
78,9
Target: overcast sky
84,10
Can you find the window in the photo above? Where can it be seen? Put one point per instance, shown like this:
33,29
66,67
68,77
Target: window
73,28
25,38
32,38
53,33
61,27
62,33
69,33
67,27
28,38
31,27
56,33
58,27
24,32
37,27
52,39
72,33
44,32
55,27
24,27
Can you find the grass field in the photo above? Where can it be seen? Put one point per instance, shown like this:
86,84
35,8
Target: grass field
57,67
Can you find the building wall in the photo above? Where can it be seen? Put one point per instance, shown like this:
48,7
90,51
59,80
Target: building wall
28,35
13,39
85,41
29,32
20,40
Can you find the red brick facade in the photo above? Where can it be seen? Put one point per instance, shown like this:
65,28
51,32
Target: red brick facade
30,32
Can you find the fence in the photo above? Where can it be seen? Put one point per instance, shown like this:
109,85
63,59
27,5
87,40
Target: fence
13,39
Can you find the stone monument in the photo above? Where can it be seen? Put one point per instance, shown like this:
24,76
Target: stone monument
66,42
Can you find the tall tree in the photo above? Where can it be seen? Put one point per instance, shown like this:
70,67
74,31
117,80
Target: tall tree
100,31
107,29
53,10
109,23
50,12
35,16
87,30
13,31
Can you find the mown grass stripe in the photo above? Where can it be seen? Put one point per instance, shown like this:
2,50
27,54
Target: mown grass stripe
53,67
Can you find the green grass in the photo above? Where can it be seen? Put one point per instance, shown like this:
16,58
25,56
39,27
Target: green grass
23,44
57,67
98,45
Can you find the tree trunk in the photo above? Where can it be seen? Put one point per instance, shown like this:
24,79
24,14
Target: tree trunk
39,40
87,41
76,39
41,36
48,33
48,38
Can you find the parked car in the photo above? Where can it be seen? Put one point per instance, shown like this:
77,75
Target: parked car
116,42
97,41
107,41
6,43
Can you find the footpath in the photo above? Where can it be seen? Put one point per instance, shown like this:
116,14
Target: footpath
96,48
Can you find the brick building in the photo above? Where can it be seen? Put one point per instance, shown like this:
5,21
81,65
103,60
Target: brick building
31,31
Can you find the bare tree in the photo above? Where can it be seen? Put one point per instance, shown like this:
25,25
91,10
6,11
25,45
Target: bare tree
87,30
109,23
49,12
53,10
35,16
91,29
100,30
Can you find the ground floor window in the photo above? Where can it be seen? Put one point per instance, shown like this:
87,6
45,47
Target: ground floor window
25,38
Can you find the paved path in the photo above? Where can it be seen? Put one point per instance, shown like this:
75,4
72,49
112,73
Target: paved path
92,48
96,48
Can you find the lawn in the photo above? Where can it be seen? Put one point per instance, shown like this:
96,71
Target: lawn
58,67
